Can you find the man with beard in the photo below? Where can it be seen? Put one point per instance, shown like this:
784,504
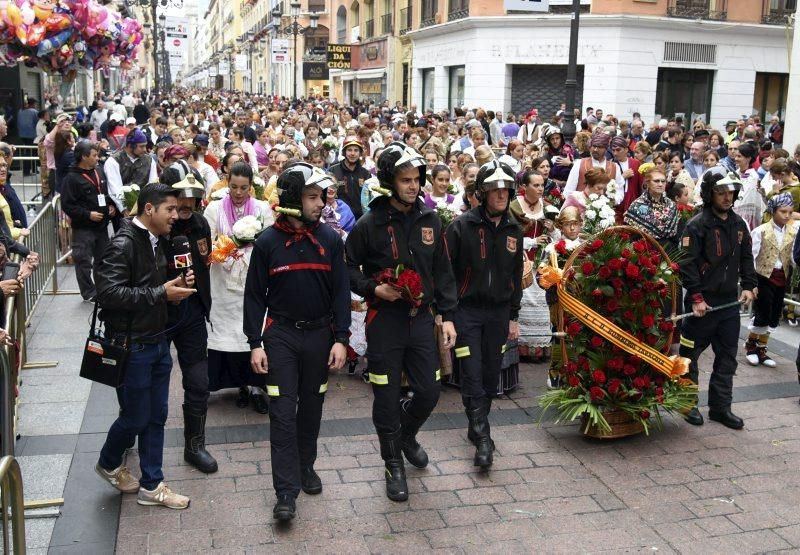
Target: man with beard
350,174
399,230
485,249
718,256
130,166
298,276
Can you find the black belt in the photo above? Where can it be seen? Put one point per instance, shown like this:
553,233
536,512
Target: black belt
303,324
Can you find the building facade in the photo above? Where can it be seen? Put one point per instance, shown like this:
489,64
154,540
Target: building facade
657,58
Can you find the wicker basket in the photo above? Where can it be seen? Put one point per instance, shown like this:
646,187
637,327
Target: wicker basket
527,273
622,425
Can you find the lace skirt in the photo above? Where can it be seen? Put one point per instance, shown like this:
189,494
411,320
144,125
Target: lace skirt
534,318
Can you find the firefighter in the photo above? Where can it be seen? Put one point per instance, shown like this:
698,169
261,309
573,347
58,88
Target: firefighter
298,274
399,230
718,256
351,174
186,326
485,249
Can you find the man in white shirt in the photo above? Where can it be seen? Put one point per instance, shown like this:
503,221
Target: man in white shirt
598,149
99,116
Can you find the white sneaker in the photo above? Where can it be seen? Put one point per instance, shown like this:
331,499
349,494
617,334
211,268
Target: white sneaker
162,496
121,478
752,359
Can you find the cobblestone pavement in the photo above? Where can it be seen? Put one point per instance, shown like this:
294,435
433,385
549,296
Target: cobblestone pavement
683,489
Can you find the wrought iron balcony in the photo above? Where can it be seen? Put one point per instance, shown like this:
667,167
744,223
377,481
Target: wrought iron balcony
698,9
777,12
458,14
405,20
386,24
369,28
428,21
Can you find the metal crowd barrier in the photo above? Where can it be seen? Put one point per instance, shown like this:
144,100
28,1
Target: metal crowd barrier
28,187
12,497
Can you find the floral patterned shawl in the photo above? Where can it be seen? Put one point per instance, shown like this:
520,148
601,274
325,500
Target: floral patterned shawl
658,218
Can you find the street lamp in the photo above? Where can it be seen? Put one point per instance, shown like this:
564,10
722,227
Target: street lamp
568,127
162,19
293,29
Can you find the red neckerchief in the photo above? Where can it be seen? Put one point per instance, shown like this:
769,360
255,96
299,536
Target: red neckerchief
299,234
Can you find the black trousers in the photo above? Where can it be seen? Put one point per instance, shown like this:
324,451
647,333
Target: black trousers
296,385
482,334
397,342
768,307
187,330
87,253
721,331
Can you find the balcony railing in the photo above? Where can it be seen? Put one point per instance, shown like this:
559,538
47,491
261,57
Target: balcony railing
698,9
405,20
386,24
777,12
369,28
459,9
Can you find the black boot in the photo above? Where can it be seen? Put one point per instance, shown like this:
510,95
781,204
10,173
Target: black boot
284,509
194,435
413,451
479,433
396,486
310,481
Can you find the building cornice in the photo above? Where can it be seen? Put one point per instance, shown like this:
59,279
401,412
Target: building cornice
591,20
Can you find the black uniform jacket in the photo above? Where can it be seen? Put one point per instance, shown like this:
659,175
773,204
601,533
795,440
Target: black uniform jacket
350,183
130,284
293,279
486,260
385,238
198,233
717,253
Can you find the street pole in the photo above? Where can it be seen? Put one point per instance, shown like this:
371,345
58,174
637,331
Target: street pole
294,60
568,126
153,10
791,131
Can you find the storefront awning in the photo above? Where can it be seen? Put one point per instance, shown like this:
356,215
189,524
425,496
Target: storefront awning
370,73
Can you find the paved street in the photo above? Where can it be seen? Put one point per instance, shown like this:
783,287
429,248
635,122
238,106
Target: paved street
683,489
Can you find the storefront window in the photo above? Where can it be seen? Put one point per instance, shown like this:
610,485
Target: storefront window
684,92
770,95
427,89
456,96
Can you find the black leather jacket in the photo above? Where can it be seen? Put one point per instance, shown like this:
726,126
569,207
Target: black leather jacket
130,285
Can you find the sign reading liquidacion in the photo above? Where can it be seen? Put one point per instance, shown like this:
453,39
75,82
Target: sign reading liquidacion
339,56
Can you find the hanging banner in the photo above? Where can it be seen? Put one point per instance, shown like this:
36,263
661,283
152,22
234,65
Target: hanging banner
280,51
212,71
240,62
339,56
224,67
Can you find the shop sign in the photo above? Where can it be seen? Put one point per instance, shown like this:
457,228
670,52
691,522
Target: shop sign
339,56
314,71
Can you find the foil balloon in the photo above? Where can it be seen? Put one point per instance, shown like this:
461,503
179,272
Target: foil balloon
56,41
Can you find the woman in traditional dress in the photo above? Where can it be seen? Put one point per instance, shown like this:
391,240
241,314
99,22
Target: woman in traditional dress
750,204
655,213
538,230
228,350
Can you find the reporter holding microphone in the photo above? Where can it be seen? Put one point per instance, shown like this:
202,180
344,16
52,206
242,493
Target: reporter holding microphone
133,292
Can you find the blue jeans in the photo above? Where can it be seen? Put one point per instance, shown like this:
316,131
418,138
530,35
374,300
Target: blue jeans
143,397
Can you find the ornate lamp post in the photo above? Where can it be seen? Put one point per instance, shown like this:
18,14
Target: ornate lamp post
293,29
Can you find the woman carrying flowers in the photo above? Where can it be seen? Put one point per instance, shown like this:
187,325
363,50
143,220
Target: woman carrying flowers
235,222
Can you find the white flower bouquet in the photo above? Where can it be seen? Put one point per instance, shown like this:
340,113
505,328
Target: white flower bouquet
330,143
599,214
446,213
219,194
246,230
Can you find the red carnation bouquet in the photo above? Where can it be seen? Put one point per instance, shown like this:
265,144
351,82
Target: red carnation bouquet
625,278
406,281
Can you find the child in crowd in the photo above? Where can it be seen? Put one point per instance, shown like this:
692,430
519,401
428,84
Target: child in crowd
569,223
772,252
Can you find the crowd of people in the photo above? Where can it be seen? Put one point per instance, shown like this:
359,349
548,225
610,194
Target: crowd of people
323,234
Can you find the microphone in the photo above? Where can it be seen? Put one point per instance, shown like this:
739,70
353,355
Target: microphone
181,254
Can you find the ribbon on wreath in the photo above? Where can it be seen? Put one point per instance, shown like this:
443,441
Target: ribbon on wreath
671,367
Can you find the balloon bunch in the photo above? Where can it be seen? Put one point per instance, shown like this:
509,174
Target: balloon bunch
65,36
